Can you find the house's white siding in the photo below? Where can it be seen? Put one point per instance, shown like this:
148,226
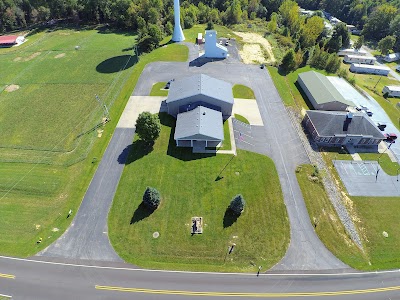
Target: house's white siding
368,69
352,51
392,91
369,60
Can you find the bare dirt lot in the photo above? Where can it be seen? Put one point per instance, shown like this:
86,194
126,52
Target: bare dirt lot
253,49
59,55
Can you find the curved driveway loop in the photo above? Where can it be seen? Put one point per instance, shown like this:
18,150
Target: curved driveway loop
278,139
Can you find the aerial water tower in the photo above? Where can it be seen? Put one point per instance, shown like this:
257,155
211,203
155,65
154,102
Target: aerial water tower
177,36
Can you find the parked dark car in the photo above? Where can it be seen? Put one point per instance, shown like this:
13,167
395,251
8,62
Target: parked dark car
381,126
390,137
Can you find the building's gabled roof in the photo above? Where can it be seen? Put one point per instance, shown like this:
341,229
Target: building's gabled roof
373,67
200,123
200,84
322,90
8,39
393,88
331,123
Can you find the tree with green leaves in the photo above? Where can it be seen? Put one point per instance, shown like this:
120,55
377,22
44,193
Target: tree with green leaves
148,127
377,26
288,61
340,38
237,204
358,44
310,31
386,44
151,198
333,63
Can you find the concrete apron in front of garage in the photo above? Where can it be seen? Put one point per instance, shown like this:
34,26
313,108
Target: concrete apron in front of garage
366,178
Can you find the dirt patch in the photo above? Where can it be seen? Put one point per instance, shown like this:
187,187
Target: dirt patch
32,56
17,58
252,53
11,88
59,55
254,38
64,33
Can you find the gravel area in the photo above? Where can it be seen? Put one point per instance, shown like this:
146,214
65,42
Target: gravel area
327,180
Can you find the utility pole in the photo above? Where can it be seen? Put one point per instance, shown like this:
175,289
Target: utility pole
104,106
378,81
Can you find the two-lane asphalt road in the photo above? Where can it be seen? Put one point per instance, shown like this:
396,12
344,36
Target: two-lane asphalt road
44,280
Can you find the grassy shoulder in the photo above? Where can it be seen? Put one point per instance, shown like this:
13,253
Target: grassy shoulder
38,204
158,89
326,221
242,91
241,119
193,185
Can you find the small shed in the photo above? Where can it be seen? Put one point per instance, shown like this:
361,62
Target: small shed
392,57
369,69
200,39
8,40
352,51
360,59
392,90
199,128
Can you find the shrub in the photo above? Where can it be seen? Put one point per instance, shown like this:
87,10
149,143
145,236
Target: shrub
237,204
151,198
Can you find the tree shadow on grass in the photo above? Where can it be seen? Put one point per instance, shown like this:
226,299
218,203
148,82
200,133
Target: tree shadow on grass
306,100
182,153
229,218
134,152
116,64
141,212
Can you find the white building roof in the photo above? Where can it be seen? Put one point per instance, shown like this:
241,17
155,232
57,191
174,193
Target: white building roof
393,88
346,89
360,57
374,67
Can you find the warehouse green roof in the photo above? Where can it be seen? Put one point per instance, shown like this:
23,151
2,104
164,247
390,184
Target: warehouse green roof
321,89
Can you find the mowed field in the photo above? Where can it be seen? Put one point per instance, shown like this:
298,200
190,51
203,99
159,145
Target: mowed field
199,185
45,127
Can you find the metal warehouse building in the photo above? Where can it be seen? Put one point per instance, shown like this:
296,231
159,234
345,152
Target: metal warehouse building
321,92
368,69
200,90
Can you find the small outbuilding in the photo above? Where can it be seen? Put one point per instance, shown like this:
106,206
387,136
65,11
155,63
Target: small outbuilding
321,92
392,57
200,90
199,128
8,40
392,90
352,51
211,46
369,60
336,129
369,69
200,39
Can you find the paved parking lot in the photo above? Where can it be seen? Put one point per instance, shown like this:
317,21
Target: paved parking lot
366,178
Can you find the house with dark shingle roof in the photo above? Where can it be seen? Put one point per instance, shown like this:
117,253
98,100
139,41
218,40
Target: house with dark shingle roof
320,91
336,129
200,103
200,90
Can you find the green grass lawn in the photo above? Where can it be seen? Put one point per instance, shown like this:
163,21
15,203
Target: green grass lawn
380,214
198,185
241,119
328,225
242,91
158,89
48,154
385,163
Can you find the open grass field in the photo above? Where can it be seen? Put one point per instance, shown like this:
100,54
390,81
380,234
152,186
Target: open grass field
198,185
242,91
48,154
326,221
